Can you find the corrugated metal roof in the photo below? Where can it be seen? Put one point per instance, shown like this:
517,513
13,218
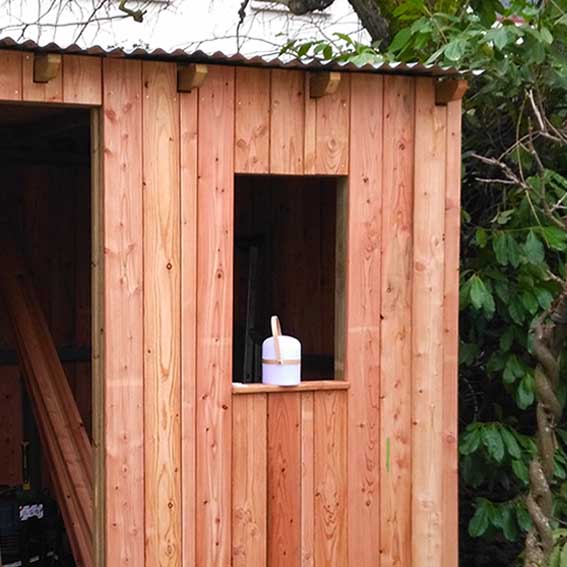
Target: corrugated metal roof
218,57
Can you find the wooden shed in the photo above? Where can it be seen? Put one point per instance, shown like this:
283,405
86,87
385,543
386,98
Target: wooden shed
202,195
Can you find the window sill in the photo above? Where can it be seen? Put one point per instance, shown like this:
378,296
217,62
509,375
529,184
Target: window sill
311,386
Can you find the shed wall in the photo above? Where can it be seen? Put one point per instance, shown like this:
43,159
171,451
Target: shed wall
192,471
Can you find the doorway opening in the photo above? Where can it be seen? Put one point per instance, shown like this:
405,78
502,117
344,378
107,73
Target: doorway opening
46,469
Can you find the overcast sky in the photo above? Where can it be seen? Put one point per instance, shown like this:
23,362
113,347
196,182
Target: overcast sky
188,24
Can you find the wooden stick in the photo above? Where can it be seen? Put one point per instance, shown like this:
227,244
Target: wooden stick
63,435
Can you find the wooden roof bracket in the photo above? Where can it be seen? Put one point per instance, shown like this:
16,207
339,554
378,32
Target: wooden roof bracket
191,76
46,66
323,83
447,90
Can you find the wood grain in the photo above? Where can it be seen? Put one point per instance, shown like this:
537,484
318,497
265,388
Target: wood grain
332,130
40,92
307,386
189,137
330,428
284,480
395,358
63,435
121,225
287,122
11,63
162,310
252,121
427,327
362,318
11,434
308,479
82,80
310,130
214,317
97,337
451,339
249,481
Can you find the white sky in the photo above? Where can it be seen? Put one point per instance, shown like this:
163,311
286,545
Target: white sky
209,25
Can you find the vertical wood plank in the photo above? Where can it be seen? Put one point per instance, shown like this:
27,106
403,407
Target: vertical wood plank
122,230
11,63
97,337
249,481
341,230
214,316
162,333
189,137
330,425
427,327
307,480
11,424
310,131
287,122
332,130
362,356
284,479
82,80
252,121
451,338
395,363
40,92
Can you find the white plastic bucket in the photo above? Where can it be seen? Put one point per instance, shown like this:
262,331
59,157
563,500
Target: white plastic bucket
281,358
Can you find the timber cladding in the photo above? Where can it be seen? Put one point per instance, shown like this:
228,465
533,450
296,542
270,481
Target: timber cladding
192,473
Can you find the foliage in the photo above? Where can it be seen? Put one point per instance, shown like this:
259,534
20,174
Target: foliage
514,237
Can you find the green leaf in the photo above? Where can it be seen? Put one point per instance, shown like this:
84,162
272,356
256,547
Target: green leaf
481,238
506,339
513,251
304,49
470,441
401,39
529,301
500,37
520,470
533,248
480,521
513,370
525,392
522,515
516,310
478,292
511,444
502,290
546,35
492,440
506,249
455,50
508,524
544,297
555,237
